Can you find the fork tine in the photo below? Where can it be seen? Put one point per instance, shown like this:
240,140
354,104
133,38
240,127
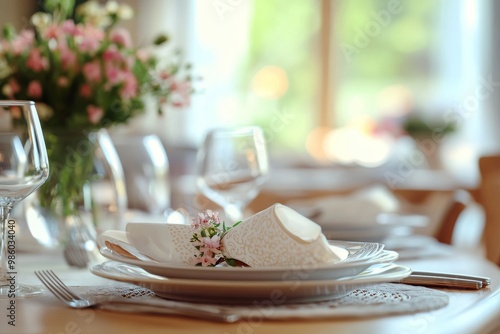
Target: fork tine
54,284
49,285
63,286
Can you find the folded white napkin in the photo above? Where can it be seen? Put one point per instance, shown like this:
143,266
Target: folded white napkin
279,236
276,236
168,243
358,209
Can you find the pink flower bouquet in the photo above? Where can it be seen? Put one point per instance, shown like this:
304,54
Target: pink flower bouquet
80,68
84,73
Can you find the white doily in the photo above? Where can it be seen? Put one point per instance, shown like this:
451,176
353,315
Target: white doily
377,300
122,290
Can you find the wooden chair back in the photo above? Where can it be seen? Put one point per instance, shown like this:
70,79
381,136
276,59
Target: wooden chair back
456,206
489,168
443,209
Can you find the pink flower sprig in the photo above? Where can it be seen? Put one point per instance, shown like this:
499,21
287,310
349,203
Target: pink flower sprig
207,239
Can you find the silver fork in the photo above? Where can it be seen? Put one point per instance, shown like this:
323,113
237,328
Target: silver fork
150,305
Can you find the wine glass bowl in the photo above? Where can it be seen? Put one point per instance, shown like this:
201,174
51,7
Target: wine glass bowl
232,165
24,167
12,164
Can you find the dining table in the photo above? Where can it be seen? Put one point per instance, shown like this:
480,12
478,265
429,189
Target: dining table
467,311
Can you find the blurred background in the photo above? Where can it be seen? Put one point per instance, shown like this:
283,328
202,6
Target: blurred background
384,85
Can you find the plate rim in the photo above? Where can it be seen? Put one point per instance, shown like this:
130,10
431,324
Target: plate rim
110,254
261,274
271,284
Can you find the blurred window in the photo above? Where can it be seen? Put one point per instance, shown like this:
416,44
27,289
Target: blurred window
304,67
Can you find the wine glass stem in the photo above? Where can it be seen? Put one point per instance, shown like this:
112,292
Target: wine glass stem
4,219
234,213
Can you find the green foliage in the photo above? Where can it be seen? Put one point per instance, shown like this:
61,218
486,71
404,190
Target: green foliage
61,8
420,128
161,39
8,32
71,157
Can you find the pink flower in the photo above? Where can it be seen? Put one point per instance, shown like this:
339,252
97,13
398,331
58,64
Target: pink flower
52,31
35,89
112,54
121,37
207,260
89,45
78,31
68,58
92,71
213,216
95,114
164,75
130,86
210,245
23,42
36,61
208,219
85,90
62,81
181,94
14,86
113,75
196,222
68,27
90,39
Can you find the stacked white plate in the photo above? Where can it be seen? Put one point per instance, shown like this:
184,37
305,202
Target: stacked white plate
384,225
370,214
366,264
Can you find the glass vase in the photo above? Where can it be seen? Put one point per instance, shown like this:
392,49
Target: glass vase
85,191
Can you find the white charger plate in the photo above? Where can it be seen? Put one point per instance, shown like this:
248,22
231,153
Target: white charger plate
266,293
361,256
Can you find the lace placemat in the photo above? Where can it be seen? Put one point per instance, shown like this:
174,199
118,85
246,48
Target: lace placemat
377,300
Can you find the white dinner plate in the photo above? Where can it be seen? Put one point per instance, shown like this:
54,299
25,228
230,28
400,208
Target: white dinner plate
266,293
361,256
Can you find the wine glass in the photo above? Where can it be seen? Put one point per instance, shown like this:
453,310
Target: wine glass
146,169
232,165
24,167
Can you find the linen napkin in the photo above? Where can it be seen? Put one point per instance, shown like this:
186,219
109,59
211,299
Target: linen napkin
280,236
355,210
276,236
